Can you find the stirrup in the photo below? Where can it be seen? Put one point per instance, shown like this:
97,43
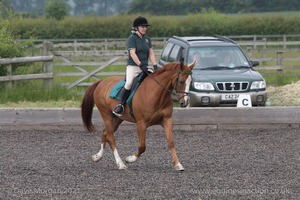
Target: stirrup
118,110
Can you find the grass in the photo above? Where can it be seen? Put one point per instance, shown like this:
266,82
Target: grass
288,75
279,78
33,92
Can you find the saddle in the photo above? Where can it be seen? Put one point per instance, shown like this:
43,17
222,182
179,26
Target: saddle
118,89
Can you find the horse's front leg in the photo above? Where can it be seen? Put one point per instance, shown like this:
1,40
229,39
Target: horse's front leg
168,129
141,131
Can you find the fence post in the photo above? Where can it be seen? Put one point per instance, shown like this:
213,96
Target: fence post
249,52
254,41
265,43
264,56
280,68
48,66
284,41
75,45
9,73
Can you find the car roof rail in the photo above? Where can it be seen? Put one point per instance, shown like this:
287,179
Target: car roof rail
179,38
224,38
190,39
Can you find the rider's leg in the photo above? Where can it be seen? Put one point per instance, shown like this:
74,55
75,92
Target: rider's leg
131,73
120,107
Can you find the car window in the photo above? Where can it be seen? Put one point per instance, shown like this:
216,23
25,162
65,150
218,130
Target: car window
166,51
207,57
174,53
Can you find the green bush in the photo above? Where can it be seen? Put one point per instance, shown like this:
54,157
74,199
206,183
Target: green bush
9,45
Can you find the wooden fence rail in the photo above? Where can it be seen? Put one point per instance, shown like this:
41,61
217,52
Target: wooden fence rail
71,53
47,74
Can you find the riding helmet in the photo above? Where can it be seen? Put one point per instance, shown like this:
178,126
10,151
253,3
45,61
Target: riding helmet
140,21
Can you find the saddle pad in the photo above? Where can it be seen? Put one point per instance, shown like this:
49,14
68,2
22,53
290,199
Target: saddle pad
116,91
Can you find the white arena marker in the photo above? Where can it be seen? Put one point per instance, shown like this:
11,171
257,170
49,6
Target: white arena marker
244,100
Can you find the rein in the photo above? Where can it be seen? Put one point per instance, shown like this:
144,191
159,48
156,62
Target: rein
176,83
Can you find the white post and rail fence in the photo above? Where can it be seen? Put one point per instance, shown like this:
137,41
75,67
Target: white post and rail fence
112,52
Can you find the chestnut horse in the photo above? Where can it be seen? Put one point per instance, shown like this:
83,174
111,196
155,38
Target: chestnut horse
152,104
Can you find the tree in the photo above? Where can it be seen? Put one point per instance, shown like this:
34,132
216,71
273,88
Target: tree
56,9
5,8
100,7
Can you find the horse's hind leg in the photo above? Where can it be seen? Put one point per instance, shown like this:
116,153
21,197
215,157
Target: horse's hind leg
112,144
96,157
111,125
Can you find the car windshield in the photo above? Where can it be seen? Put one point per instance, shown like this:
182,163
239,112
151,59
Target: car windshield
217,58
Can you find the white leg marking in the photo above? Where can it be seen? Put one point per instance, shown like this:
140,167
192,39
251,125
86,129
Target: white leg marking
98,155
187,89
130,159
179,167
119,161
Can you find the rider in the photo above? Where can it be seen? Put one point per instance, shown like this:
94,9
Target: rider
140,50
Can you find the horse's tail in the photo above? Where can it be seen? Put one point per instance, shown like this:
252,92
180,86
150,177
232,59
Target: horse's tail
87,106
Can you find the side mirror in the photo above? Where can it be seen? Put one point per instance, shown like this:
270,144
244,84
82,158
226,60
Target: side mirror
254,63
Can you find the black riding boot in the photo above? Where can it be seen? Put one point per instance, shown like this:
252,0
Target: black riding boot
120,107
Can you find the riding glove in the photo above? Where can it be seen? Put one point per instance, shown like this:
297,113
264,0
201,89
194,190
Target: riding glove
143,67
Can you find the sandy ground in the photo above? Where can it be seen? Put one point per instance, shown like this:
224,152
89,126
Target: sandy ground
220,164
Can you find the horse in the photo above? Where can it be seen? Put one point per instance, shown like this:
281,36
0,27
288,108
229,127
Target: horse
152,104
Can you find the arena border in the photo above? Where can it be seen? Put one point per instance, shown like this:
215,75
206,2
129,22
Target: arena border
184,119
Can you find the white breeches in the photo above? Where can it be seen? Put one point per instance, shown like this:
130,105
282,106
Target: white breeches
131,72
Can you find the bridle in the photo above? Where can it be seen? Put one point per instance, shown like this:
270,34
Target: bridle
175,86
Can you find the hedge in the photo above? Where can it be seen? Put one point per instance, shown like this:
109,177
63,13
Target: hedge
161,26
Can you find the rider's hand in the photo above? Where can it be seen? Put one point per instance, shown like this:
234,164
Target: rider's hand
144,67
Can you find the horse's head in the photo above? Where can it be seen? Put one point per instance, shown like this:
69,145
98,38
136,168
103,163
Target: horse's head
182,82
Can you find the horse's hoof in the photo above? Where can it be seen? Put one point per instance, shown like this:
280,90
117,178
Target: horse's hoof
131,159
122,166
96,157
179,167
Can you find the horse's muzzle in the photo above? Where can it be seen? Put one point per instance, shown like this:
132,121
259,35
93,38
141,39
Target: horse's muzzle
184,102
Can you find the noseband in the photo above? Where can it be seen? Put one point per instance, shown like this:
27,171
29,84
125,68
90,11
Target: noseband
176,85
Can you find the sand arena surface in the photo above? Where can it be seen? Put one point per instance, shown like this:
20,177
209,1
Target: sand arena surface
220,164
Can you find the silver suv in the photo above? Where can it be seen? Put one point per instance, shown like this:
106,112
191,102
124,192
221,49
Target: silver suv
222,71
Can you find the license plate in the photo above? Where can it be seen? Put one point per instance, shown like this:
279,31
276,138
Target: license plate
230,96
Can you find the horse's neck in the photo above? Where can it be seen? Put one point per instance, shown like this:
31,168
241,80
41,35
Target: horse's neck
165,79
160,85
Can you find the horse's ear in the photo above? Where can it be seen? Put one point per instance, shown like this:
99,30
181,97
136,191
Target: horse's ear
192,65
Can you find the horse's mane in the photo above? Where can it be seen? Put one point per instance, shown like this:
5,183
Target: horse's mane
168,67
